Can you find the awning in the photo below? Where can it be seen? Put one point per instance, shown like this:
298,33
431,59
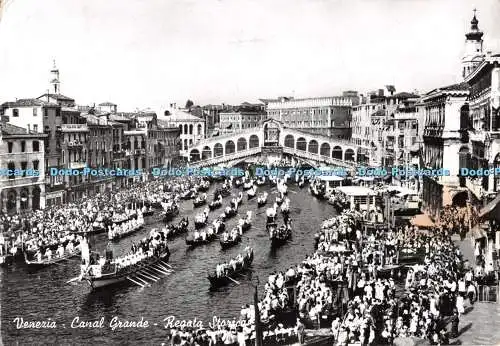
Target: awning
490,206
422,220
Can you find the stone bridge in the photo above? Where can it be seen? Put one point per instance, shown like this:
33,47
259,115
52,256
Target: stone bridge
273,134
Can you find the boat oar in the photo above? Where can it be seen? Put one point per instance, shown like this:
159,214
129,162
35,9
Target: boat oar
150,272
147,277
166,264
135,282
141,280
160,271
163,268
233,280
74,279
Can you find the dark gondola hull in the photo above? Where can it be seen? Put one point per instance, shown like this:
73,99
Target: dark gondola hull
199,225
213,206
194,243
121,278
277,242
170,215
148,213
271,219
230,243
124,235
7,261
217,282
250,196
47,263
261,203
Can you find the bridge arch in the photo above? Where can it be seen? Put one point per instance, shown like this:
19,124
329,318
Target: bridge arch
194,155
324,149
289,141
312,147
230,147
301,144
241,144
337,153
254,141
206,153
218,150
349,155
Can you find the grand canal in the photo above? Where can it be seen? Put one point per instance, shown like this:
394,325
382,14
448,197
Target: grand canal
184,294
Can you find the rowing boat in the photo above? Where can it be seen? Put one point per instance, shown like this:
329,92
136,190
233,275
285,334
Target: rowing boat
48,262
219,281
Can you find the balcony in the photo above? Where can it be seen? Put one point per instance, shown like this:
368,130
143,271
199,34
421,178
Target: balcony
73,128
77,165
74,144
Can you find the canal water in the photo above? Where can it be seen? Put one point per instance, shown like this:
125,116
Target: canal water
185,294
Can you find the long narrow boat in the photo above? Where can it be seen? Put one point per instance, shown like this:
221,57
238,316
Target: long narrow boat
172,231
262,200
230,242
215,204
230,274
192,242
6,260
48,262
170,212
115,276
278,236
200,200
118,236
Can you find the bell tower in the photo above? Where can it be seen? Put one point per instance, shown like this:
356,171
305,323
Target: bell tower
54,80
473,53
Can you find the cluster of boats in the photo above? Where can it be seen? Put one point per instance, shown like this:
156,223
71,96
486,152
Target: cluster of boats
225,273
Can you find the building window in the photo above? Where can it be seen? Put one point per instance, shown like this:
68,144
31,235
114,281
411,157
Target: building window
35,128
36,146
35,165
23,146
10,145
24,165
15,112
11,166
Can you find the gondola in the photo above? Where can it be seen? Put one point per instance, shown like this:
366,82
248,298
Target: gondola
251,193
118,236
189,194
191,242
148,212
174,230
279,199
230,242
44,248
171,212
215,204
204,186
278,236
223,191
200,200
247,185
229,213
121,276
35,265
285,209
6,260
201,220
238,183
219,281
262,200
318,190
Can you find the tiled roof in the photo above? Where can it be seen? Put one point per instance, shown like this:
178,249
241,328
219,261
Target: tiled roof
9,129
26,103
181,116
404,95
456,87
58,97
107,104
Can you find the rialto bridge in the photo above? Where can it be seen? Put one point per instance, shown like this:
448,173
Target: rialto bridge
273,138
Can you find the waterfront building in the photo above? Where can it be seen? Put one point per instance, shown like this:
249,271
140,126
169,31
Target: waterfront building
245,116
191,128
445,115
401,135
329,116
21,149
368,124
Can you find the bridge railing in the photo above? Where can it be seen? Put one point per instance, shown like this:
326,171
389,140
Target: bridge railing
227,157
315,157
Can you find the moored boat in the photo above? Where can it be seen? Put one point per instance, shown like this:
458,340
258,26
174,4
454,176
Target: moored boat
45,260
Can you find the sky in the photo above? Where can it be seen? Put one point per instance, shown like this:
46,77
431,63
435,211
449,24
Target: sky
149,53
